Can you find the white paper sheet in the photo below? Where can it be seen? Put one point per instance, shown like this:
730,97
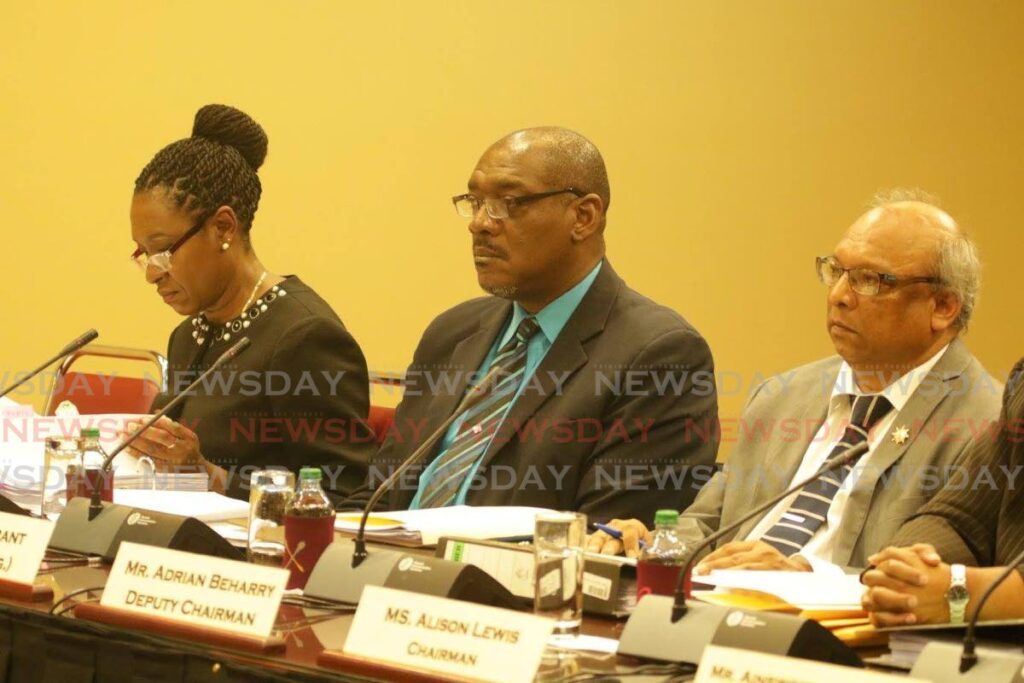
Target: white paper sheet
806,590
206,506
457,520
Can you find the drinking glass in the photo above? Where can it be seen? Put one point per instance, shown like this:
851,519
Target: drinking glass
558,543
269,494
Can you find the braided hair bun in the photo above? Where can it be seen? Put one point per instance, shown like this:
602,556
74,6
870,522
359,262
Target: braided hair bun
215,167
234,128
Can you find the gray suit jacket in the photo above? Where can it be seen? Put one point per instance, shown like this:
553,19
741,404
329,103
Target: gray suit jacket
606,441
785,412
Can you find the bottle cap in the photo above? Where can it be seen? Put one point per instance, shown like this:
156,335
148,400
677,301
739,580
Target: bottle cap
90,433
66,409
309,474
666,517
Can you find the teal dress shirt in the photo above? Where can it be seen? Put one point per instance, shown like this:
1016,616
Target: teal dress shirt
551,319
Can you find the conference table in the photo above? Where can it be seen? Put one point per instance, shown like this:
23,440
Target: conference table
36,645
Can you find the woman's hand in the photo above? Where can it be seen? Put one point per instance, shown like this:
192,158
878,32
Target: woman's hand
167,442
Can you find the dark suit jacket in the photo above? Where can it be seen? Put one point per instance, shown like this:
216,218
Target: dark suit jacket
979,518
598,434
298,396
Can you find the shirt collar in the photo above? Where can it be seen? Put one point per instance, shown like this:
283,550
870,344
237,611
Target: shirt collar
898,392
553,317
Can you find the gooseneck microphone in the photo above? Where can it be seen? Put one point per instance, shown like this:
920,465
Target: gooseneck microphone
95,504
656,628
68,349
848,456
345,569
476,394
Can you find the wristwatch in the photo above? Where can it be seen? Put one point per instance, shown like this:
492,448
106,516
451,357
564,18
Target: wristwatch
957,595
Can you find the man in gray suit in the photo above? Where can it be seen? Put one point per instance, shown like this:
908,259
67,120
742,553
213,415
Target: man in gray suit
902,284
606,401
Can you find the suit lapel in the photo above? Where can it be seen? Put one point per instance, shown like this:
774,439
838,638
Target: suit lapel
915,417
782,457
565,357
465,360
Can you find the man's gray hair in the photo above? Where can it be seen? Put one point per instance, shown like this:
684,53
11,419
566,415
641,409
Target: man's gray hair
957,262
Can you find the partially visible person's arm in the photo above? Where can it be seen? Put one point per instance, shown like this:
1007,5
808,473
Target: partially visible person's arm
908,586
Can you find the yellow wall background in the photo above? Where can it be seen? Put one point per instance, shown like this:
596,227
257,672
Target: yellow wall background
741,138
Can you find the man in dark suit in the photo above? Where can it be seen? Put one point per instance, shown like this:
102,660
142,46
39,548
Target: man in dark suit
965,535
901,287
605,401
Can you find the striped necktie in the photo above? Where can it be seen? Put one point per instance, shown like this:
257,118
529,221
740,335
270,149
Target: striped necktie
810,509
481,420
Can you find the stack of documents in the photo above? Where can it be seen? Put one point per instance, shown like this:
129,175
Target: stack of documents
807,591
422,528
833,600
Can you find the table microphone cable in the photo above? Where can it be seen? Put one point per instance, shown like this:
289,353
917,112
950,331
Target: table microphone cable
318,603
53,608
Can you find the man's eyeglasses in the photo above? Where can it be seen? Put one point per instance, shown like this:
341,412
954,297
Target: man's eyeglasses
467,205
862,280
161,261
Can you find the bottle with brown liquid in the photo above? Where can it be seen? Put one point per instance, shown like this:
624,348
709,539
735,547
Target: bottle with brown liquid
308,527
657,570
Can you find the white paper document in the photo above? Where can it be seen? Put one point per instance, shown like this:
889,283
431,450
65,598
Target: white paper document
806,590
432,523
205,506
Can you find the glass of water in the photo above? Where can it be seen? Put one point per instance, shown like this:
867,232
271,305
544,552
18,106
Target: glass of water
269,494
558,542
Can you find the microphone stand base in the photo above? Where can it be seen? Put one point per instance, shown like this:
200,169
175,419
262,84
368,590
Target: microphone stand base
650,633
79,530
940,661
336,577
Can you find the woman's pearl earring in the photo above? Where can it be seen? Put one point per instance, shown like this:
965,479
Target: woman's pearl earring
224,246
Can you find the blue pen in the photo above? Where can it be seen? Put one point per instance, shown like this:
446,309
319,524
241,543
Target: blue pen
614,533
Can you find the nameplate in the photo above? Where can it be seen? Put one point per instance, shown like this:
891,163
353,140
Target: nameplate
721,664
454,637
203,591
23,542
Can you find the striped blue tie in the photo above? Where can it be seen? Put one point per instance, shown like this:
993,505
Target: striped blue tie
810,509
481,421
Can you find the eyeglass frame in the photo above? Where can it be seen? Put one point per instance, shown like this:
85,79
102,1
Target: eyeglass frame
511,202
883,278
169,251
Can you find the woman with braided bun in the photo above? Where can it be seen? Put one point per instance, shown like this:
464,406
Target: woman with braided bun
299,394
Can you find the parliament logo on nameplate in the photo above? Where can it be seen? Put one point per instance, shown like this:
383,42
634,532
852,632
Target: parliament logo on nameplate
462,639
723,664
196,589
23,542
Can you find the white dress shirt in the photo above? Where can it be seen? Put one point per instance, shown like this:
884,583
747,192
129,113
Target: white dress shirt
818,550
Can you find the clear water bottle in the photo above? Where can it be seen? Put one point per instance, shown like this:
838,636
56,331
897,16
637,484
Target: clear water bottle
60,457
657,570
308,527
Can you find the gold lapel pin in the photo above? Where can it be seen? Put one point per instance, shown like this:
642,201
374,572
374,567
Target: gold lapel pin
900,435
